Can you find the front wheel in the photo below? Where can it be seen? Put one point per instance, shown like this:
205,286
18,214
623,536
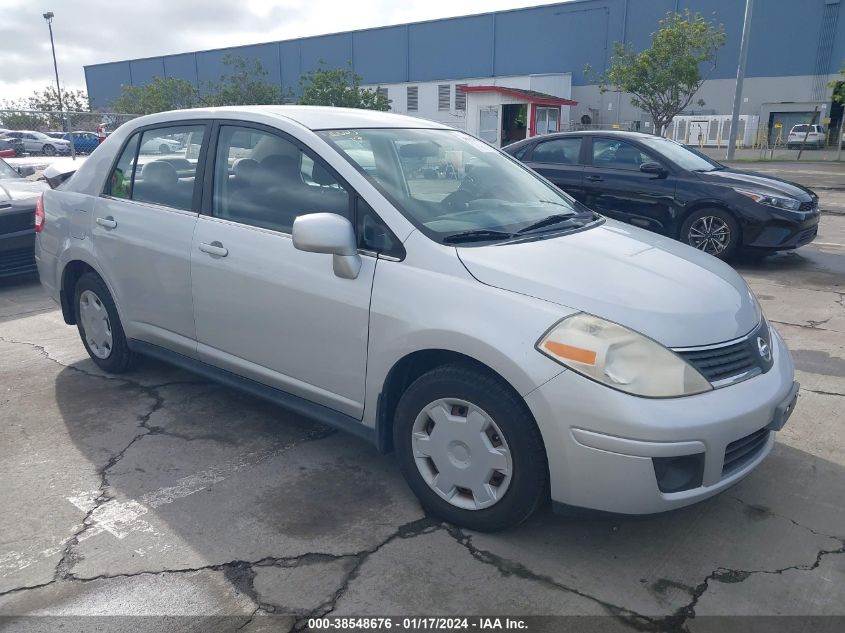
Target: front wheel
99,326
49,150
470,450
713,231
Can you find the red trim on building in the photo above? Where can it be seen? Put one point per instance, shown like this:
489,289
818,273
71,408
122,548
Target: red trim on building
521,94
532,120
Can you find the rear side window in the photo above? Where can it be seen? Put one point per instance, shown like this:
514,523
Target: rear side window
120,182
562,151
167,166
264,180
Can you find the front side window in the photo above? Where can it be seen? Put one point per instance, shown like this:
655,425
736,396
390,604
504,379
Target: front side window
265,180
562,151
616,154
167,177
455,187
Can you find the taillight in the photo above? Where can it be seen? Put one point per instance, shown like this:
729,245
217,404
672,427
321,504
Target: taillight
39,214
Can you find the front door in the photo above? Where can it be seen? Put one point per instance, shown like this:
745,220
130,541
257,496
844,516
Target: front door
142,230
262,308
614,186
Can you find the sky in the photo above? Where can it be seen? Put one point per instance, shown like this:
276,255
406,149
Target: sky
95,31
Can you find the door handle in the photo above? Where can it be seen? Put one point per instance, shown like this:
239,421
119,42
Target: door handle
593,178
215,248
107,222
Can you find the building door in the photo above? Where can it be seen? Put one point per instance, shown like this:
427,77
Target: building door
488,124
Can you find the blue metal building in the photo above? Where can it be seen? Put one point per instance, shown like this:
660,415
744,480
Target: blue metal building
795,50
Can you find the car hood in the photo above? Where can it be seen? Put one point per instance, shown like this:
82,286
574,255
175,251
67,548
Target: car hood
14,189
760,182
679,296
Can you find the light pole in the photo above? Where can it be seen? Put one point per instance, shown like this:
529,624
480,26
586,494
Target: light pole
49,18
740,77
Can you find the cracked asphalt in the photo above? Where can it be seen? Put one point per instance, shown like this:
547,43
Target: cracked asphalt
158,493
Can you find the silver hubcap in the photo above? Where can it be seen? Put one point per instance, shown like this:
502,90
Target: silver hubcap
95,324
462,454
710,234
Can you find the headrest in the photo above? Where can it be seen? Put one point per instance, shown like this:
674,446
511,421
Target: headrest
160,174
245,168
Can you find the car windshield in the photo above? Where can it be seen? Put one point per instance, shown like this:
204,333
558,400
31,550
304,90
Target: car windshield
455,187
6,171
681,155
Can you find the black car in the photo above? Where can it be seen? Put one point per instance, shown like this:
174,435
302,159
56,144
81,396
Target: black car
669,188
17,221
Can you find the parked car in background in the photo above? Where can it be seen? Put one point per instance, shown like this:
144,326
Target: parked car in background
18,198
806,135
9,148
502,338
160,146
39,143
83,142
672,189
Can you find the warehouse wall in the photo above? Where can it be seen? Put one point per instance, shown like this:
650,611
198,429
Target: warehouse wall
549,39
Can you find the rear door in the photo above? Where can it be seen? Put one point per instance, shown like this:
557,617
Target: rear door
142,230
559,160
614,185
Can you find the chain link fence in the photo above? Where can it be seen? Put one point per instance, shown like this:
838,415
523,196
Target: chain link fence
38,133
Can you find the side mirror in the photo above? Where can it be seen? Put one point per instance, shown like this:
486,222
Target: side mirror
654,168
332,234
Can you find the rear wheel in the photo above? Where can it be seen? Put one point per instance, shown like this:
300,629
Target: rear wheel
470,449
713,231
99,326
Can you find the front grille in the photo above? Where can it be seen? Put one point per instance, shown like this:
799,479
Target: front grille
807,235
14,222
743,451
17,262
723,362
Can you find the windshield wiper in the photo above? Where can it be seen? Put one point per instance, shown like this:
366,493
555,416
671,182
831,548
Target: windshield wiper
476,235
558,218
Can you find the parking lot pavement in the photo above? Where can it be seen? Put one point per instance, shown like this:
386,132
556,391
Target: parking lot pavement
159,493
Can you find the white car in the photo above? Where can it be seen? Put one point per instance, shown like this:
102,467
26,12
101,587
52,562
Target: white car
508,343
806,135
160,146
39,143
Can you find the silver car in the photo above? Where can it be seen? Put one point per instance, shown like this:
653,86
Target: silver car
509,344
39,143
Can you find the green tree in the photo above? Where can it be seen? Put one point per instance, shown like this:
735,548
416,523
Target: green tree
45,101
838,86
48,100
339,87
245,83
663,79
159,95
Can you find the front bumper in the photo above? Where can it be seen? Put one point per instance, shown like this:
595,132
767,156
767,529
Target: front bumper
16,253
783,232
601,443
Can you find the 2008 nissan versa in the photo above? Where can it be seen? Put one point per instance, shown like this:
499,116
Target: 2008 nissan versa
410,284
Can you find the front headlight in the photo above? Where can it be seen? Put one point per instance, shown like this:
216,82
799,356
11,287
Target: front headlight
620,358
790,204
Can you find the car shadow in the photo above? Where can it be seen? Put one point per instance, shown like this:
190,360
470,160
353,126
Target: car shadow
185,474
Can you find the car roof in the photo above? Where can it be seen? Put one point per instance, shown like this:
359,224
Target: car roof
311,117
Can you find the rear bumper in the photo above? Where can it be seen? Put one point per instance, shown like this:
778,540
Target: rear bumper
602,444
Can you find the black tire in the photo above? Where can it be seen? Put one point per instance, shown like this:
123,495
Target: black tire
725,218
528,486
48,150
163,149
121,358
